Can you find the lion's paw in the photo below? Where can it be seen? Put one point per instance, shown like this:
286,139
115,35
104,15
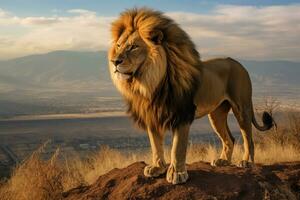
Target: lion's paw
245,164
176,177
220,162
153,171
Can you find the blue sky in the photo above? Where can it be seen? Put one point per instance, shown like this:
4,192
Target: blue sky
258,29
113,7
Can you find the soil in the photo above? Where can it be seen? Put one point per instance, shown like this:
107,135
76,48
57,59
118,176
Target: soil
279,181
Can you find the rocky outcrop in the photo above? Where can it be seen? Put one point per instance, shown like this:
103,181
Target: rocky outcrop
279,181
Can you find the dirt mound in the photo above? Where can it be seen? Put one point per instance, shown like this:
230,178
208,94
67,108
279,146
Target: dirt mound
280,181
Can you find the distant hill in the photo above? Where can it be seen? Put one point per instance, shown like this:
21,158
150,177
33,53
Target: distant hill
273,72
54,68
56,82
81,79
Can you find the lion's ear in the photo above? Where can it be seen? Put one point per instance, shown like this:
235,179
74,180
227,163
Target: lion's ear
117,29
156,36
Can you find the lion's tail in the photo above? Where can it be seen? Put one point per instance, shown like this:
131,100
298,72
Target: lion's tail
267,119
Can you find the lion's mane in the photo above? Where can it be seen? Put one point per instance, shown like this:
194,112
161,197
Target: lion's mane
171,102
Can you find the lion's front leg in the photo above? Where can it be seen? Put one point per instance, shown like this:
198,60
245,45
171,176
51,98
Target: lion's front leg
177,172
158,165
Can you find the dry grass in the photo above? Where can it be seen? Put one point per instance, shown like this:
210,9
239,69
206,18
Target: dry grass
35,179
38,179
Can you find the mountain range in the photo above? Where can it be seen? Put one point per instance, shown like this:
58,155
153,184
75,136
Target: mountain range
70,81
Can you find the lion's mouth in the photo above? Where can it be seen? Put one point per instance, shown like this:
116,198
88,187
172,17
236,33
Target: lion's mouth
123,75
126,73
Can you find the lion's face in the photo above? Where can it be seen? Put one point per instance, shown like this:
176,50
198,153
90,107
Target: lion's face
138,60
128,54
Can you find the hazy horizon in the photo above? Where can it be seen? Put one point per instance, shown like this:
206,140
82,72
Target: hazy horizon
66,82
203,57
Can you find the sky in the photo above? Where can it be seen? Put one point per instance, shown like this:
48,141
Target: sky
259,30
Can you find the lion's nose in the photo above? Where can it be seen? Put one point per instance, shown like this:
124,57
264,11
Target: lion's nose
117,61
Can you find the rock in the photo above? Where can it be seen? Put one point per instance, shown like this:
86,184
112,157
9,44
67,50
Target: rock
279,181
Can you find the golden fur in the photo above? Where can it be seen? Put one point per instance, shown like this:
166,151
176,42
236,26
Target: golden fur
164,85
156,67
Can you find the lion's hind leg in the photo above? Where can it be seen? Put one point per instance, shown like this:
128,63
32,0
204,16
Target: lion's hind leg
244,118
218,120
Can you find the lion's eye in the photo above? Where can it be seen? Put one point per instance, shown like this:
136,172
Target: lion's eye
133,47
118,45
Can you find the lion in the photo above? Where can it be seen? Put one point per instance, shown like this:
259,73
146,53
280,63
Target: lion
157,69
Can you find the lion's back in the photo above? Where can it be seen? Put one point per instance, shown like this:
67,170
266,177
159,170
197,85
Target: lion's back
227,69
229,74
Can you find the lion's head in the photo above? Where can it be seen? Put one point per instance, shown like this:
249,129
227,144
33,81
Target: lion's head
137,53
151,57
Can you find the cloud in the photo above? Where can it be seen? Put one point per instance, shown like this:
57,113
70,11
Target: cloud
2,13
249,32
82,12
246,31
84,30
39,20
